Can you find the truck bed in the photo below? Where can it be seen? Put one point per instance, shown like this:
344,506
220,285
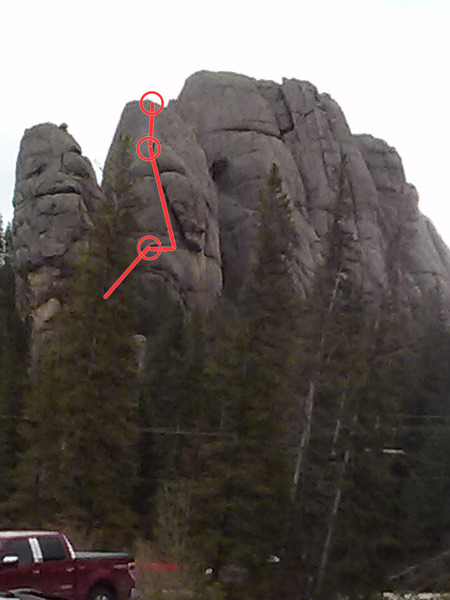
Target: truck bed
100,555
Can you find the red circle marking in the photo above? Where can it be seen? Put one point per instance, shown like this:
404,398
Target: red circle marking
151,140
149,112
158,250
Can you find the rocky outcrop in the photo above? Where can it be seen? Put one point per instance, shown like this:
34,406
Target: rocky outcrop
244,125
193,271
411,255
218,141
239,131
55,192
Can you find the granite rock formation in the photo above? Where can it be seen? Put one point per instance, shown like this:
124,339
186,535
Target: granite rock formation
218,141
55,192
244,125
193,271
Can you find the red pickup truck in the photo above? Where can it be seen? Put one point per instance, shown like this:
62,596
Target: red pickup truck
45,561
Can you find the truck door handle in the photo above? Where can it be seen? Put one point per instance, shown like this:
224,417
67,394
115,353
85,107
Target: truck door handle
70,569
35,571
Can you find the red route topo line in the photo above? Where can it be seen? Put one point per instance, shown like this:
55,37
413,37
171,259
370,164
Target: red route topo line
142,254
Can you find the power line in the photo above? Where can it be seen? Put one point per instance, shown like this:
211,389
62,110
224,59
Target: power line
168,431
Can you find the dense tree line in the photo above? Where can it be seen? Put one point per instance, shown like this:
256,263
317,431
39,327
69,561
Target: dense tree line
281,442
14,337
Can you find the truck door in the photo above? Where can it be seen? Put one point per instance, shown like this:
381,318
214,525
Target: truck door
25,573
57,570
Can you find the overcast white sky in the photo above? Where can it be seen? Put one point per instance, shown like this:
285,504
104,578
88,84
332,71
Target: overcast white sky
386,62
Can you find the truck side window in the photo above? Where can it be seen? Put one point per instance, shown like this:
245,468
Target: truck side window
52,549
20,548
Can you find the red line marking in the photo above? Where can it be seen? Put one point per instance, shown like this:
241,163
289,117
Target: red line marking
150,127
150,139
124,274
165,211
141,255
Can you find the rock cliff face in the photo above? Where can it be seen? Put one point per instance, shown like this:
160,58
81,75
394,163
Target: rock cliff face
55,192
244,125
218,141
193,271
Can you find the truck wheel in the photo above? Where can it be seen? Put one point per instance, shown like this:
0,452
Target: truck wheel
101,593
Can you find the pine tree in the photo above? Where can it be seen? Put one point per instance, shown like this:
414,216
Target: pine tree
161,410
84,397
346,422
365,523
14,337
241,499
426,470
171,409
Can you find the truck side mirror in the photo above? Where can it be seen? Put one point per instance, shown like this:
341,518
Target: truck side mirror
9,562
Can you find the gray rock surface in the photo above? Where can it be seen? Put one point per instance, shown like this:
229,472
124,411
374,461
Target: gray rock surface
244,125
238,128
415,260
55,190
193,271
218,141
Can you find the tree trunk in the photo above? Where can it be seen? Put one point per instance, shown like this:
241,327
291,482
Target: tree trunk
304,441
332,522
